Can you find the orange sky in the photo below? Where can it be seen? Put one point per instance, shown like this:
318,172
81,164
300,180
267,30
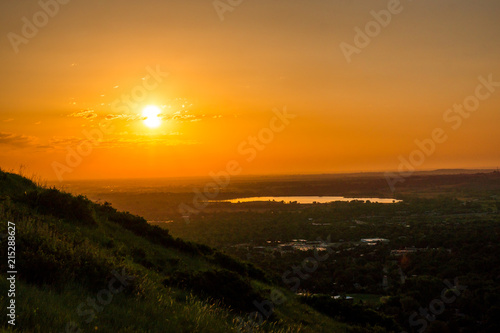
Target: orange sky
226,77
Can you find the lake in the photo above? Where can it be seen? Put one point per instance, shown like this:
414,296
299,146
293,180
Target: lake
307,199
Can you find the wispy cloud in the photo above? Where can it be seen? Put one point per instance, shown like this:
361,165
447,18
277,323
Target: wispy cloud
86,114
179,116
184,116
17,140
124,117
8,120
60,142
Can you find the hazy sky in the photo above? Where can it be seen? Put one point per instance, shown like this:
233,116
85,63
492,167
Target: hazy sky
90,63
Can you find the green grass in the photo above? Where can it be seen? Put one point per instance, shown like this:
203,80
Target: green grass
68,247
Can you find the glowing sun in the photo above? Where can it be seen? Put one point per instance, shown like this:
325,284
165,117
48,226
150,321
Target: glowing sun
151,113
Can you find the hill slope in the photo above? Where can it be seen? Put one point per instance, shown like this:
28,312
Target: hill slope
83,267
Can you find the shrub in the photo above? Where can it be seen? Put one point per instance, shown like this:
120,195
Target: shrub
63,205
153,233
226,286
236,265
46,264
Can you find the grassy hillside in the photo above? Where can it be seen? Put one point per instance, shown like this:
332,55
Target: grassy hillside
85,267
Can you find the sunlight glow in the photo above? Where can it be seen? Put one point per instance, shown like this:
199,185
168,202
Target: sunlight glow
151,113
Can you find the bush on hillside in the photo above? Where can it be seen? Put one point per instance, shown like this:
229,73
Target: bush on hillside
46,262
153,233
226,286
238,266
14,185
63,205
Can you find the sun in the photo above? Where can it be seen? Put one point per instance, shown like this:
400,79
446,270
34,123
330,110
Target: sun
151,113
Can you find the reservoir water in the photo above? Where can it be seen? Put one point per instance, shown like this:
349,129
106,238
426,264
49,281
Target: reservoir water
308,199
